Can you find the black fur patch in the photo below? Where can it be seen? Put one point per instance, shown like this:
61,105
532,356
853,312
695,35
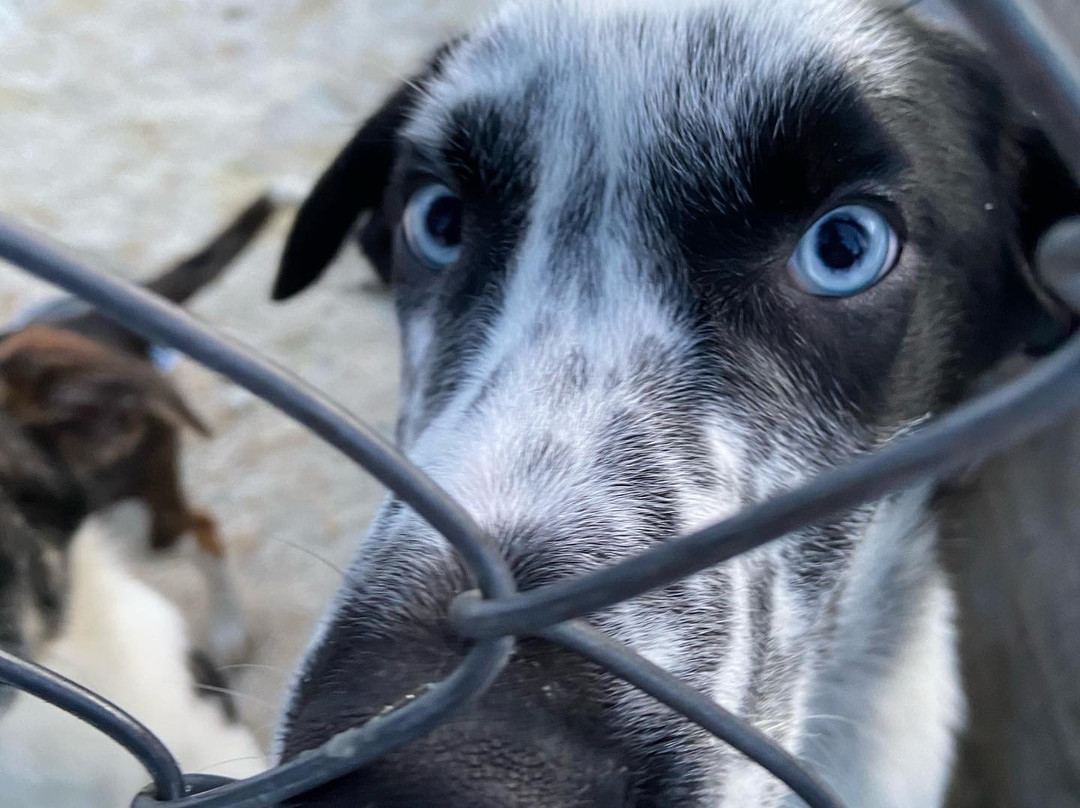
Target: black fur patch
210,683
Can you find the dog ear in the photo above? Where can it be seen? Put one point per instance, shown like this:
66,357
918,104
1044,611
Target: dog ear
1047,193
1034,182
354,184
91,405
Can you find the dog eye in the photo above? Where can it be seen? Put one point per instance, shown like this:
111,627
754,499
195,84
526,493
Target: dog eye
848,250
432,225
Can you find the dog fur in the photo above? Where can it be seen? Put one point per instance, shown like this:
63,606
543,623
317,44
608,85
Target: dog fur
130,645
620,356
84,390
67,602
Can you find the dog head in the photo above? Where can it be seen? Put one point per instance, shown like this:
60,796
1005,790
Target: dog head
655,262
98,410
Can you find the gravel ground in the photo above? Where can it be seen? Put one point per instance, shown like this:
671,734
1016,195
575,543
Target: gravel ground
132,130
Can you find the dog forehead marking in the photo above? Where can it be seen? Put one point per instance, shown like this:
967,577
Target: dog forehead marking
624,55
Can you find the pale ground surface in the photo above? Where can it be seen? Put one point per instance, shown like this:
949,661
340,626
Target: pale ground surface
133,129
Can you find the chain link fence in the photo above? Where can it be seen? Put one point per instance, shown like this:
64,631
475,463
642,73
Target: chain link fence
491,618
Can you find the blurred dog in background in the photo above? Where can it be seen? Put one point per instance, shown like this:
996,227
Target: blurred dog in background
87,421
84,390
69,603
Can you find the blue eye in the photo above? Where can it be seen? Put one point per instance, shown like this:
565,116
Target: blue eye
848,250
432,225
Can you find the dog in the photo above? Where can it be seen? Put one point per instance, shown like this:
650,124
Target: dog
656,261
67,602
83,387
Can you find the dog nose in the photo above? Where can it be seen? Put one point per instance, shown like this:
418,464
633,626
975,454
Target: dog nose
479,763
536,738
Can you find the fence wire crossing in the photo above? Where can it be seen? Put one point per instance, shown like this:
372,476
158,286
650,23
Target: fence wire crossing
496,614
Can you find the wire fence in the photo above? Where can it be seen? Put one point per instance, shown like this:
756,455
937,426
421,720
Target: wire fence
496,614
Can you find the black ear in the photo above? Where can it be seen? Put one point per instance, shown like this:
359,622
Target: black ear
1048,193
1034,181
353,184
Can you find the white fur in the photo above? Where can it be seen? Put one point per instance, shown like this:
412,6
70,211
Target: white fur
127,643
882,727
918,709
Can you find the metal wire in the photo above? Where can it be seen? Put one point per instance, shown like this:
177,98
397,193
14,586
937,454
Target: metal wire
971,432
495,615
98,713
694,705
162,322
349,750
165,323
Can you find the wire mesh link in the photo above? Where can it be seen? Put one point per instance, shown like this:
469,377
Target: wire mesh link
495,615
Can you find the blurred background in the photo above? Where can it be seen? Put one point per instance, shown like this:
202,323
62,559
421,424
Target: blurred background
133,130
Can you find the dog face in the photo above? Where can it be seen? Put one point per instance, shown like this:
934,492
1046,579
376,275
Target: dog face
655,262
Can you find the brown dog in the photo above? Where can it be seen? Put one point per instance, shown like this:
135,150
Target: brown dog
84,389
